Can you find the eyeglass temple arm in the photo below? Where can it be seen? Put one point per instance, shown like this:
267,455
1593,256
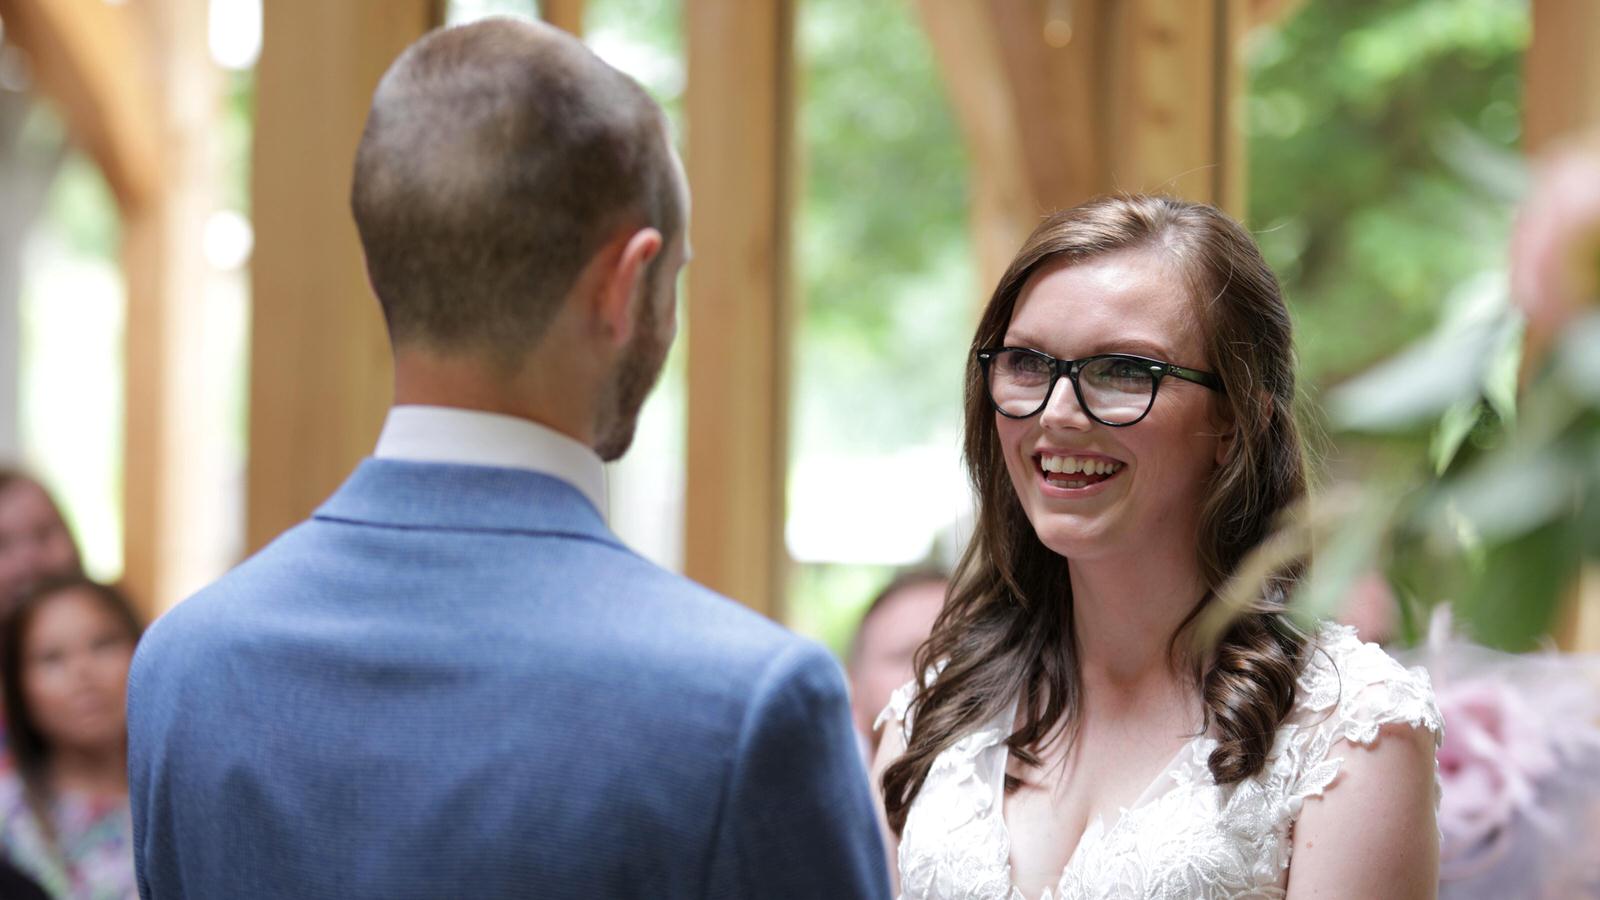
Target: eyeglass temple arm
1196,376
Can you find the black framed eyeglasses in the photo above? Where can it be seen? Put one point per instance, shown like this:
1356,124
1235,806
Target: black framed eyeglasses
1115,389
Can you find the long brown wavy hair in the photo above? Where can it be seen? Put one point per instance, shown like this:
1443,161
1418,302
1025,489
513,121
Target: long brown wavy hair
1006,630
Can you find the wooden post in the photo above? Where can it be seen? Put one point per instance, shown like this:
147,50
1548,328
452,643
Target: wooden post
1561,90
321,373
564,14
1059,102
1561,97
1170,105
740,114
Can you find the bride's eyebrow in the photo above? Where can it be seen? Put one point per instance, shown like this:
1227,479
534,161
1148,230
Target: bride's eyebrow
1138,347
1133,346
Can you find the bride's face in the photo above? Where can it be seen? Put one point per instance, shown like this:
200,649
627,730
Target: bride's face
1134,302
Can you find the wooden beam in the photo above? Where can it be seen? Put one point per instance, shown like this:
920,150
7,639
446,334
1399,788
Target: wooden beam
740,129
1125,95
85,56
1561,87
321,374
564,14
169,477
1021,104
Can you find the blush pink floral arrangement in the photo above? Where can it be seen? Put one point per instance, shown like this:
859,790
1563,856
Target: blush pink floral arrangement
1519,769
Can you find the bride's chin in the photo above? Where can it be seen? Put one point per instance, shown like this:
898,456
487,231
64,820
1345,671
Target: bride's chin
1071,539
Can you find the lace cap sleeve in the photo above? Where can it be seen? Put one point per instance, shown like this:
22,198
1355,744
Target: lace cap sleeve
1348,691
899,708
899,705
1356,689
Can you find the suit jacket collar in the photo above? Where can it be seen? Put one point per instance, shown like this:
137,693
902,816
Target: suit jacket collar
452,497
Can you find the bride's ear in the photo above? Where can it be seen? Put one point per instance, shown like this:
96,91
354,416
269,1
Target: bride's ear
1227,433
1225,429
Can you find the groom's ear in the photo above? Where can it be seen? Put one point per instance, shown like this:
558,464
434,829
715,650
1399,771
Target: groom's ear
624,265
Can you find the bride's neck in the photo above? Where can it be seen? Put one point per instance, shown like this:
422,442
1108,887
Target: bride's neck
1125,612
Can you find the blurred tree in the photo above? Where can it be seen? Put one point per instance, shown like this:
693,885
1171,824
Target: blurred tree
1379,132
883,253
886,279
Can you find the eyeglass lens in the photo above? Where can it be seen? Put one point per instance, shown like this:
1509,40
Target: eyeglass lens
1113,390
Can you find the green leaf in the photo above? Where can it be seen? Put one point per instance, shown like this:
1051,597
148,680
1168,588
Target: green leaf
1407,390
1578,358
1506,495
1515,602
1351,552
1500,376
1490,166
1446,368
1457,422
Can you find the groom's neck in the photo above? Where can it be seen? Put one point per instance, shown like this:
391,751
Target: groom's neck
427,378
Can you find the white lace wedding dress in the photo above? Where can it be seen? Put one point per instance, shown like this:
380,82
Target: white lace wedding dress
1185,837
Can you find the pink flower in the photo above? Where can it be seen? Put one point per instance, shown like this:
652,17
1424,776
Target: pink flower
1555,251
1495,750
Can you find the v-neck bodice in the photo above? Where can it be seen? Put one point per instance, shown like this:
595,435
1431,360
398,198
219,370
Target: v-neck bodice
1095,831
1185,836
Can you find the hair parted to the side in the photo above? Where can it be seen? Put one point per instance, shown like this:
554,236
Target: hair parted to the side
1006,630
497,158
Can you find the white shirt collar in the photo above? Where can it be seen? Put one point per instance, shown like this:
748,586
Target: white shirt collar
443,434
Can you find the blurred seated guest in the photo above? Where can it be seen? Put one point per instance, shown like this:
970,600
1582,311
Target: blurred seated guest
34,541
64,821
897,621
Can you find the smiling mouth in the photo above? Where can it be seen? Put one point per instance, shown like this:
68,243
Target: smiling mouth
1076,472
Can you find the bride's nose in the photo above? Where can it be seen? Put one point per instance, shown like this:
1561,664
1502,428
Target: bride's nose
1062,411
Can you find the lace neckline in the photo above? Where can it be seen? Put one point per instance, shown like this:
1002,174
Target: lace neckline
1185,837
1095,830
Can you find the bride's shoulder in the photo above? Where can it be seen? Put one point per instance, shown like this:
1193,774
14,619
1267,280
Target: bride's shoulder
1357,689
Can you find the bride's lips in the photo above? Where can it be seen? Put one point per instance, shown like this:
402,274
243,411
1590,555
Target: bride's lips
1098,486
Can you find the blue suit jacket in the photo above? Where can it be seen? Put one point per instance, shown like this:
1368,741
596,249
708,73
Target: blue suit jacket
454,681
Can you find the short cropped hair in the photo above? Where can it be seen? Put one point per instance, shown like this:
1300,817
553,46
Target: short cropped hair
498,157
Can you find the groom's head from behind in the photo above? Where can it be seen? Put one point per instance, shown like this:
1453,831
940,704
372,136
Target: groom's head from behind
524,219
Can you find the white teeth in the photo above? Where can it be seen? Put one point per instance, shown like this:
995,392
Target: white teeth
1072,465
